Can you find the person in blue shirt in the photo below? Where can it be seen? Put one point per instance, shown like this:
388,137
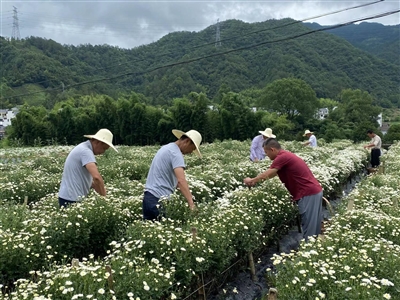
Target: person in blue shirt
256,150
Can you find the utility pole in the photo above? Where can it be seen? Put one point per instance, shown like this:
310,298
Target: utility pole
218,36
15,31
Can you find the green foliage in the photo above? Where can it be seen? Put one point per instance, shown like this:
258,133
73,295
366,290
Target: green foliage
355,114
393,134
280,124
375,38
328,103
35,64
290,97
236,118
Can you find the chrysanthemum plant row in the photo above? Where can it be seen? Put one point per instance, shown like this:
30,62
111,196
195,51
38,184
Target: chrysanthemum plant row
359,257
122,257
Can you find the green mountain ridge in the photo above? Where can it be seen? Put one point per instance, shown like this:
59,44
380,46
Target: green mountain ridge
327,62
374,38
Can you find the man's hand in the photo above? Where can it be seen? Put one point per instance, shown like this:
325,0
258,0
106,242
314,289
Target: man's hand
249,181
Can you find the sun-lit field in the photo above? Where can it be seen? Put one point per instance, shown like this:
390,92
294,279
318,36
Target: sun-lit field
122,257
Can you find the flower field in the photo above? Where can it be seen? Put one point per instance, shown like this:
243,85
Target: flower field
359,257
122,257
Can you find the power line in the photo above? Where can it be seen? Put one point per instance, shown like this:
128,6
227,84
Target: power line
218,40
215,54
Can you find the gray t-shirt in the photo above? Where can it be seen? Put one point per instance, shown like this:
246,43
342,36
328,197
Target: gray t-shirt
161,180
76,179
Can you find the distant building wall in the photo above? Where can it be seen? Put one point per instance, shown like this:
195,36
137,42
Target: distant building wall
379,120
6,116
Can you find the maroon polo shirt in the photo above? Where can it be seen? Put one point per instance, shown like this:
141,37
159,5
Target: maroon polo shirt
296,175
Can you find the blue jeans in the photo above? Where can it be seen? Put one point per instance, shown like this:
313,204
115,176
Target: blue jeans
150,209
64,203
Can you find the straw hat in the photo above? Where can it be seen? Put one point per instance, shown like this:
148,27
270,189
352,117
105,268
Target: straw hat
268,133
307,132
103,135
193,135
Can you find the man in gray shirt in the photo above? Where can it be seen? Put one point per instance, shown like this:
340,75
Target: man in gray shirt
167,172
80,168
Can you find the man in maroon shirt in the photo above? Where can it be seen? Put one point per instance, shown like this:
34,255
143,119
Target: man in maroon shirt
297,177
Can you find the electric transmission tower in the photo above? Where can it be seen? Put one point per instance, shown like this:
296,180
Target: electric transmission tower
15,31
218,36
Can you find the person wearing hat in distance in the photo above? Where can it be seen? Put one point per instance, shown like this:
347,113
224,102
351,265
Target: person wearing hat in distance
312,140
256,150
297,177
167,172
80,168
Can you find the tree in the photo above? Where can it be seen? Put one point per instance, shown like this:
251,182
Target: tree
358,107
182,113
291,97
356,113
393,134
330,104
198,119
237,120
279,124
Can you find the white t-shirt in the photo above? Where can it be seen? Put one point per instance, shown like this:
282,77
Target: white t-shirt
313,141
376,140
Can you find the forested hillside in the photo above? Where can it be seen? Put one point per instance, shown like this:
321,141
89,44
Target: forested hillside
375,38
327,63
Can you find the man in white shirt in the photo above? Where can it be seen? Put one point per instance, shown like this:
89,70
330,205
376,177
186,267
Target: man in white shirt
375,146
312,140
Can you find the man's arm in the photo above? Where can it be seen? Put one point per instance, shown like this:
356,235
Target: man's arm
369,146
373,143
307,143
183,186
270,173
98,182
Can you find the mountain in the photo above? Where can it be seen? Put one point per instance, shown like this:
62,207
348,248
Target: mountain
250,56
375,38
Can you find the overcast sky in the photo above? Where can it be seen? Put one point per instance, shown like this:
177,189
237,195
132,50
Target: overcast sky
130,23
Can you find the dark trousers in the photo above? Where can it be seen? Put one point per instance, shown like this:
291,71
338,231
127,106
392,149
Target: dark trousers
151,207
64,203
375,154
310,209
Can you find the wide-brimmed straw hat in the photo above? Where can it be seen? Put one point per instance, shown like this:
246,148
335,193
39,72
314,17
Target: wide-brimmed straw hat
307,132
103,135
193,135
268,133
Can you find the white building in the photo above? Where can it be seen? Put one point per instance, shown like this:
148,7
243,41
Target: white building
322,113
6,115
379,120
